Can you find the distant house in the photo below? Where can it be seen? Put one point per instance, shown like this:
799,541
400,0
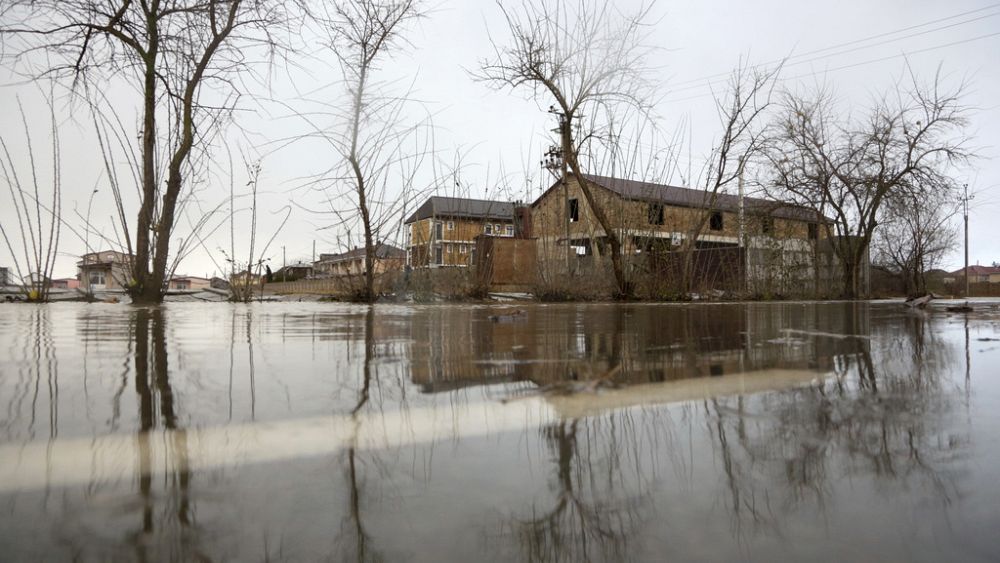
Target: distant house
188,283
5,278
107,269
387,258
442,231
977,274
292,272
65,283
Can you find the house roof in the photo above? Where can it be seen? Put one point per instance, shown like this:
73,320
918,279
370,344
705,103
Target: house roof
686,197
978,270
438,206
382,251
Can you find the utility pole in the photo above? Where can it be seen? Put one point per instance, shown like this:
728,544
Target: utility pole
743,244
555,159
965,212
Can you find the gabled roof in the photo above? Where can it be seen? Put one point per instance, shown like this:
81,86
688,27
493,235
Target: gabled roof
638,190
978,270
382,251
439,206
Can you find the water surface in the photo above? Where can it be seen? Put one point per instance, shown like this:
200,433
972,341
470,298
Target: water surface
306,432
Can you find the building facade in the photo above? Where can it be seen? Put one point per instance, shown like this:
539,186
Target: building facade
104,270
388,258
442,231
773,242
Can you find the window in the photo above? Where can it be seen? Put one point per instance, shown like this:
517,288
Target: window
438,235
448,248
451,225
438,258
96,277
574,210
655,213
463,249
813,231
715,222
510,230
496,229
767,226
488,229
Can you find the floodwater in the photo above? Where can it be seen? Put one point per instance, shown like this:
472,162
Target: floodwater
601,432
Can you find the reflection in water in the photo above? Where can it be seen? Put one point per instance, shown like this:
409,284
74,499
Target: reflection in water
158,410
378,433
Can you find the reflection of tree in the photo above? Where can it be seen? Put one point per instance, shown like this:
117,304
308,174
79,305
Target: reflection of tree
877,417
354,537
152,383
582,525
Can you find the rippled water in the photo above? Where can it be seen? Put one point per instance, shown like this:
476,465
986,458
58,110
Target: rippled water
306,432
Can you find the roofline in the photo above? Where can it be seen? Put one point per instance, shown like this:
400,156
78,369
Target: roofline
819,218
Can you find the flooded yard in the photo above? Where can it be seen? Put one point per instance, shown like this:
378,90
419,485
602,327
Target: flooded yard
604,432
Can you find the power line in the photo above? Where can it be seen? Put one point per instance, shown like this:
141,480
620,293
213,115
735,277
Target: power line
856,41
846,51
853,65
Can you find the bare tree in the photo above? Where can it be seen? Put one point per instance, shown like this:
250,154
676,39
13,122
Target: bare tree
38,212
371,183
584,58
748,95
849,169
186,58
914,238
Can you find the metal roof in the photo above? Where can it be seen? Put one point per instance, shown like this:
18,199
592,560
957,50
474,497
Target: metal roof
686,197
439,206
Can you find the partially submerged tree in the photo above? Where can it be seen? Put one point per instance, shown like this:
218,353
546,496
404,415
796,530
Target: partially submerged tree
377,153
747,96
33,241
585,58
906,145
188,61
914,238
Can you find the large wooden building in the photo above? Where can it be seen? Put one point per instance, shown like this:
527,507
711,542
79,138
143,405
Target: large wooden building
769,239
442,231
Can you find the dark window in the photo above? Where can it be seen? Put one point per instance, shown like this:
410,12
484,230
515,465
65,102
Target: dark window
574,210
715,222
813,231
767,225
655,213
438,258
438,234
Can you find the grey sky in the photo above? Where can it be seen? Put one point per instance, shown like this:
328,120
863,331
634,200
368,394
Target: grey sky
500,135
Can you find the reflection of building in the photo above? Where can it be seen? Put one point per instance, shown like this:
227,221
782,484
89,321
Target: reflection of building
388,258
442,231
466,347
188,283
107,269
5,278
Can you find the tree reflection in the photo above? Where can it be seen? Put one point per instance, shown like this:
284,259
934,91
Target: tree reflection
157,410
354,538
591,518
878,417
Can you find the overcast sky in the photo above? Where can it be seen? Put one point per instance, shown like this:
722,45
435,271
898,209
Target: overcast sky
855,46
